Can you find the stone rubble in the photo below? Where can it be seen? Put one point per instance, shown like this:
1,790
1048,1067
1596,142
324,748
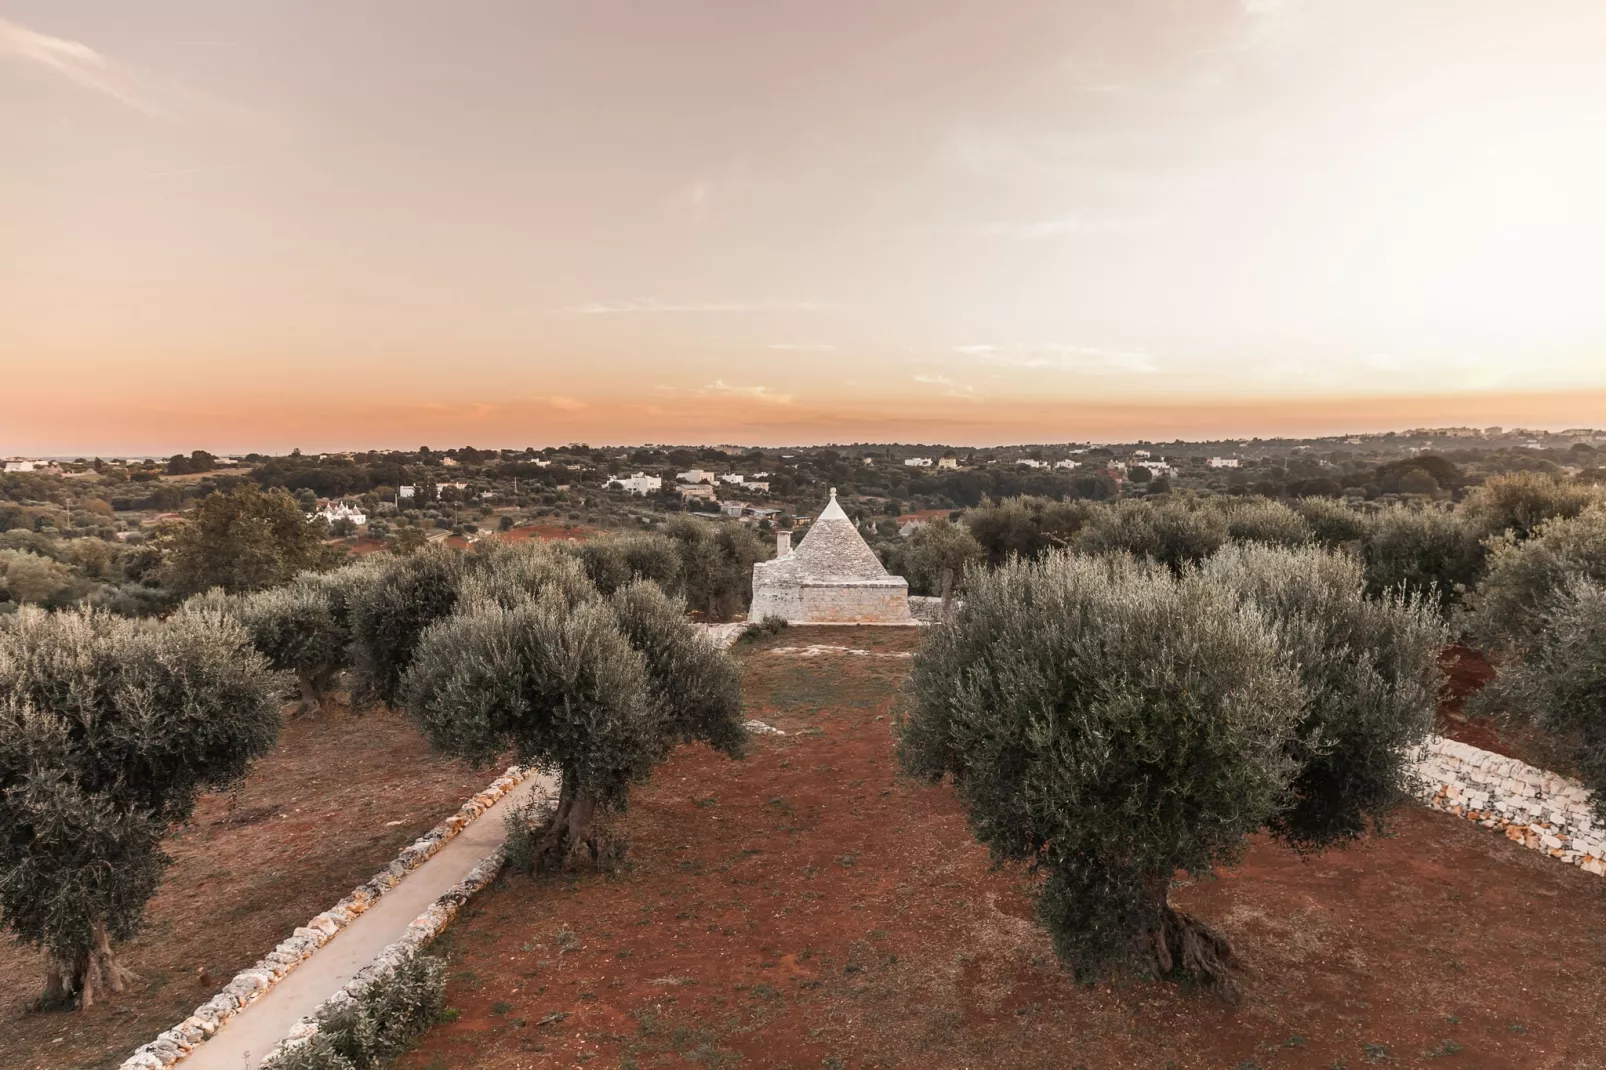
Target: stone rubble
816,650
723,636
1538,809
249,984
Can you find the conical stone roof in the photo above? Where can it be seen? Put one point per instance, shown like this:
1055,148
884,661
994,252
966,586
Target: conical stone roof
832,550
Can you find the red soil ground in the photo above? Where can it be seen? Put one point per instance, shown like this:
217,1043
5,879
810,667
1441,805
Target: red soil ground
1468,671
331,806
809,907
548,532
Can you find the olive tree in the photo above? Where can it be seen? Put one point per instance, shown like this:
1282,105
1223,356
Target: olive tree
1519,502
1109,724
937,555
109,729
1524,577
1371,676
245,540
407,595
716,564
1174,533
612,562
1423,552
597,689
304,627
1332,523
1025,526
1556,680
1263,520
402,596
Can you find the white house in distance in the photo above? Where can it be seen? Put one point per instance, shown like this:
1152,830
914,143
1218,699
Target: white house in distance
949,461
27,466
832,577
917,462
696,475
1066,464
639,483
1222,462
333,511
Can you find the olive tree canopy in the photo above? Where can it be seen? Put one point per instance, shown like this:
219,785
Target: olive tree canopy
304,627
1556,680
1371,676
596,689
1108,724
109,729
244,540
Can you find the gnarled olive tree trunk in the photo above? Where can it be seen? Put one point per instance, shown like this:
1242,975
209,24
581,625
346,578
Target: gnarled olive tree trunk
571,825
77,980
314,684
1182,947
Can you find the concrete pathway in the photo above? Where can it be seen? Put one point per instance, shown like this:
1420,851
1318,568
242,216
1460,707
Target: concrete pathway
256,1029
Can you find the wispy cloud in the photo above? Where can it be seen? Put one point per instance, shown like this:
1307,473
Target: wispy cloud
754,393
1086,360
803,347
1055,228
563,404
654,305
86,67
76,62
951,389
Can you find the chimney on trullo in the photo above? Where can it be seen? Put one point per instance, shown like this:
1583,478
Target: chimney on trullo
783,543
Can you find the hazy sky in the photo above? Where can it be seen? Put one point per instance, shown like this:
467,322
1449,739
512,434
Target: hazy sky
342,223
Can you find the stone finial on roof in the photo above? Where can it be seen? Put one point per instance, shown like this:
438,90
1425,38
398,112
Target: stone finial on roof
832,510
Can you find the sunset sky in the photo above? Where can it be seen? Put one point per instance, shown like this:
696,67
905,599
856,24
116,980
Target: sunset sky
357,223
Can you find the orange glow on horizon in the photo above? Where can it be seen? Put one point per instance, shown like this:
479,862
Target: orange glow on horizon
276,427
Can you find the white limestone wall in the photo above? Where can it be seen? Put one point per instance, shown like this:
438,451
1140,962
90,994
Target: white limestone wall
1538,809
870,602
776,600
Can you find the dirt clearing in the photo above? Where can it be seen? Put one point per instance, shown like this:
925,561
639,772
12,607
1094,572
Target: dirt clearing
808,907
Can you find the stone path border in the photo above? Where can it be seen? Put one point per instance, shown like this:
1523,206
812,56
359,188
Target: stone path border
1536,808
422,930
250,984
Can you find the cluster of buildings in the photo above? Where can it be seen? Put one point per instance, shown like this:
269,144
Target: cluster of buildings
332,511
19,464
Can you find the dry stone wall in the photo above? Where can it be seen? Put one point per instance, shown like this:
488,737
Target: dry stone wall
249,984
1533,807
420,932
